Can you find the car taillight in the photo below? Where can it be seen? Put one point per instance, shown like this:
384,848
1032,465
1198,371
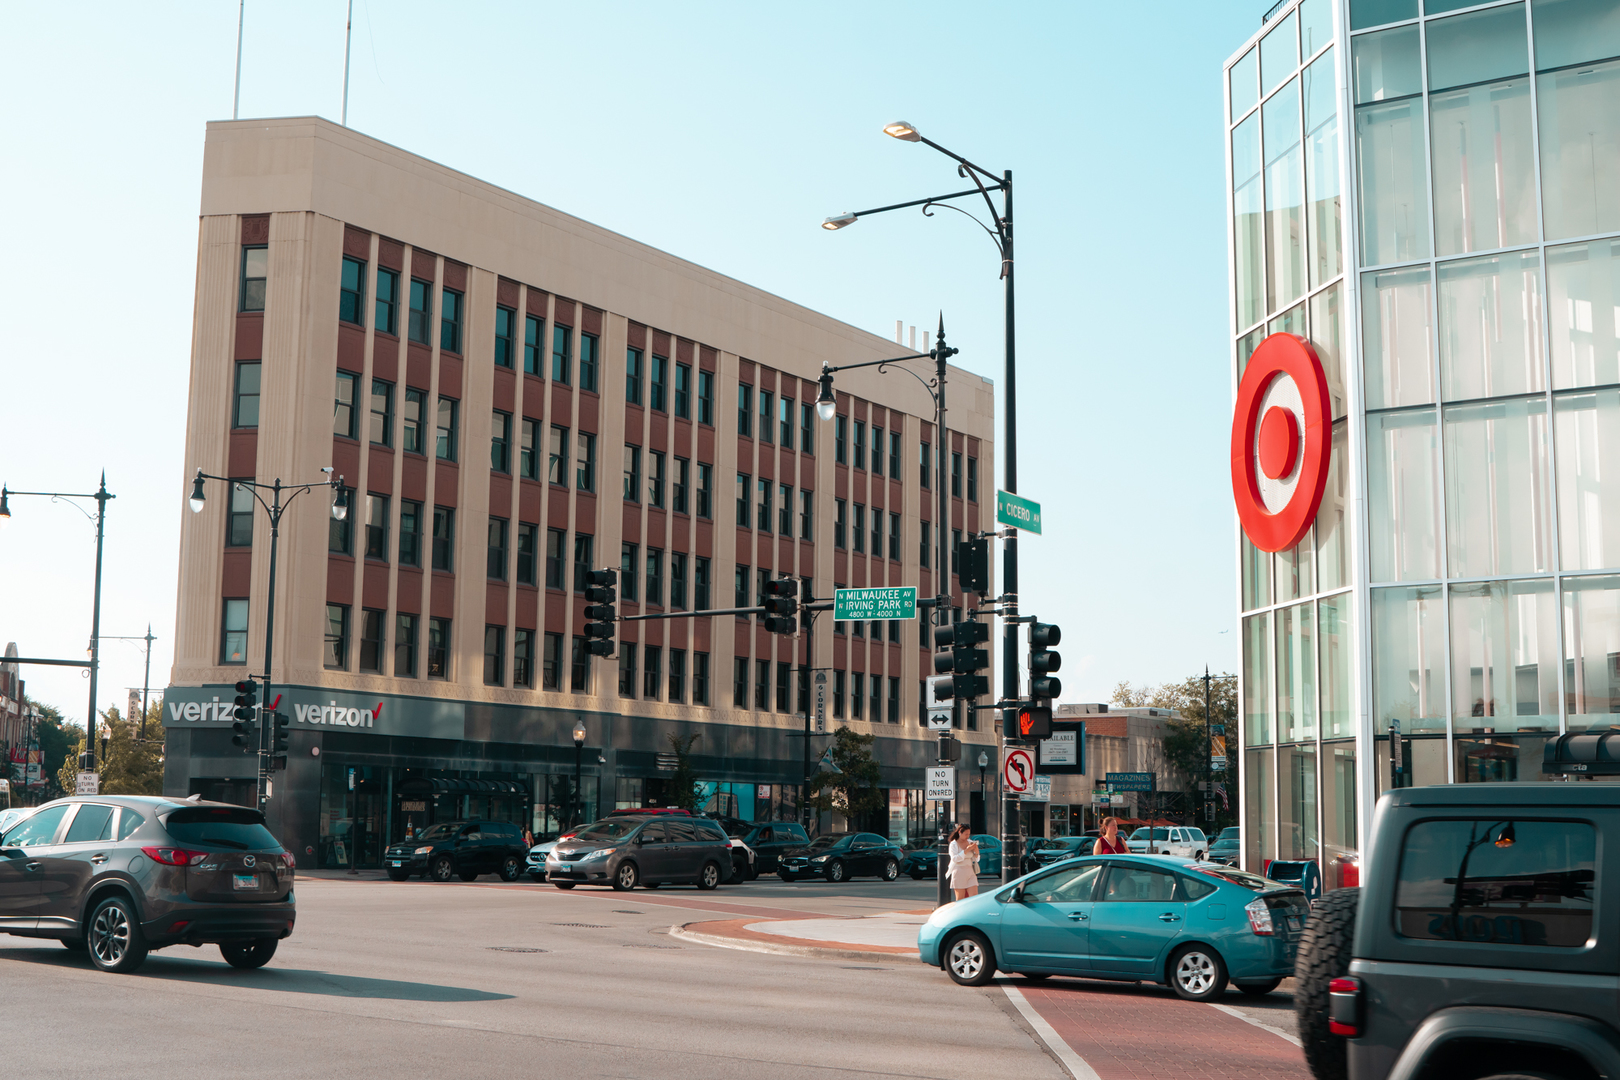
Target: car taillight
287,859
1344,1007
173,856
1259,918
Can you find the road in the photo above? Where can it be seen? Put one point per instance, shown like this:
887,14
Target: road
415,979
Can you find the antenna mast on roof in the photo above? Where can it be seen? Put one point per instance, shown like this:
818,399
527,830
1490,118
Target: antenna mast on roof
236,102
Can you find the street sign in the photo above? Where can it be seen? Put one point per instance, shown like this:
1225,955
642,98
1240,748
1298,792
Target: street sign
1018,512
1018,772
1041,792
941,785
1129,781
854,605
821,702
939,718
89,783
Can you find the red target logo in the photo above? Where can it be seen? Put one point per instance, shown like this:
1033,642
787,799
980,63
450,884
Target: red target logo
1281,442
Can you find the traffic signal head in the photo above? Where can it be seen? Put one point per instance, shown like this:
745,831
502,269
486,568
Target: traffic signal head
1034,722
974,564
601,594
782,606
599,647
942,688
247,699
1043,660
601,586
282,723
963,660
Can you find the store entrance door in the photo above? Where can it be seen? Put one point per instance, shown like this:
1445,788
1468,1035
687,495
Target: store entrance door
413,808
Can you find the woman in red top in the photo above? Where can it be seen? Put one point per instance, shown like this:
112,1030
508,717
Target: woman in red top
1109,842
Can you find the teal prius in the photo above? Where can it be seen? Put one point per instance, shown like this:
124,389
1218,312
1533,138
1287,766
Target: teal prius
1193,926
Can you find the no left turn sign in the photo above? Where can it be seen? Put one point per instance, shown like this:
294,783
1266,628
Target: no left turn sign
1019,771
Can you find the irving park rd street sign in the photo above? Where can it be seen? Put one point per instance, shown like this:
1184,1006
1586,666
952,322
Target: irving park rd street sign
854,605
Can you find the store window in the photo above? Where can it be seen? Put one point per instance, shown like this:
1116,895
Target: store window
1391,173
1504,656
1408,659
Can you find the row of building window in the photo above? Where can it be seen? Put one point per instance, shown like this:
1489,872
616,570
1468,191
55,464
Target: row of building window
631,578
659,482
659,394
775,507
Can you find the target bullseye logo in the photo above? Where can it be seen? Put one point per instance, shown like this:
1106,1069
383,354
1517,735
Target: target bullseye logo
1281,442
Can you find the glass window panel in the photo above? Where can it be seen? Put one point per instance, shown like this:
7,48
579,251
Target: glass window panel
1403,496
1339,846
1294,566
1365,13
1592,651
1245,83
1391,173
1285,198
1478,47
1260,807
1256,576
1579,113
1327,335
1297,811
1322,170
1396,309
1257,680
1279,53
1248,223
1315,26
1497,502
1386,65
1332,556
1570,32
1246,346
1334,644
1587,428
1409,659
1504,656
1296,674
1490,326
1583,313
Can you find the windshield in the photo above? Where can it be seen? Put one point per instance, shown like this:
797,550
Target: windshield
443,831
1253,882
1158,834
824,843
241,829
1233,834
609,829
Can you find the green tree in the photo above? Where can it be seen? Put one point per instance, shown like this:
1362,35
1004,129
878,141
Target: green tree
1186,742
129,765
683,788
67,774
853,790
55,736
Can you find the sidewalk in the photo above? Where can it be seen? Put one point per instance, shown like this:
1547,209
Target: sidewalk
890,936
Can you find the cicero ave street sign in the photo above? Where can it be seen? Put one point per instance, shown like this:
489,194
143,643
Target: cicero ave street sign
850,605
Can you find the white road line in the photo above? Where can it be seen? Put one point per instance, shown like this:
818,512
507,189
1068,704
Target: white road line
1072,1061
1247,1019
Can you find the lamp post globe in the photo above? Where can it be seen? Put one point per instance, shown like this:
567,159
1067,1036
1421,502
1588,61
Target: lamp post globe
340,505
579,733
5,509
196,499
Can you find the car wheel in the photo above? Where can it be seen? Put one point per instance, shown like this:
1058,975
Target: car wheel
442,869
835,871
564,884
251,954
115,940
739,871
626,876
709,878
468,875
1259,989
969,960
753,872
1324,955
511,868
397,875
891,870
1197,973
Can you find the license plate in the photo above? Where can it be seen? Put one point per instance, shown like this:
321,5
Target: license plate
396,862
244,881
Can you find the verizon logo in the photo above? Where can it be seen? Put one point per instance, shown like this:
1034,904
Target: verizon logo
335,716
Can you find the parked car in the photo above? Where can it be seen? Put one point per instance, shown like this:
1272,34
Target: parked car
118,876
922,861
8,818
1044,852
536,862
1188,843
1192,926
1227,847
841,856
461,849
624,851
744,861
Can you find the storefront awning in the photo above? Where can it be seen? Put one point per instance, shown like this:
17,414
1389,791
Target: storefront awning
1589,753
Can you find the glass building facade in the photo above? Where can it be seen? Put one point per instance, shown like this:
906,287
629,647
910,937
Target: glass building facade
1417,187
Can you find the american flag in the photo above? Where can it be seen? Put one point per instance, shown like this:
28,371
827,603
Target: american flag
1220,789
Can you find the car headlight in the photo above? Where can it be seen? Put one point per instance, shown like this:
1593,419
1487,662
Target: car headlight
600,853
819,858
423,850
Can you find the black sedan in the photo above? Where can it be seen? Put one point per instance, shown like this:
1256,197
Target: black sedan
1045,852
841,856
921,861
461,849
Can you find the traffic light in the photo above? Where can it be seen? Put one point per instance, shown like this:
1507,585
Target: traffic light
959,665
247,701
782,606
601,590
974,563
806,598
1043,660
1034,722
280,733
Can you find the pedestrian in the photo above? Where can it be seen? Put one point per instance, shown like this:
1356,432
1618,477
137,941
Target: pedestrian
528,837
1109,842
964,852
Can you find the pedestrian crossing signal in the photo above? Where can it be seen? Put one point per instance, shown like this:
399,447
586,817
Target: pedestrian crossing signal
1034,722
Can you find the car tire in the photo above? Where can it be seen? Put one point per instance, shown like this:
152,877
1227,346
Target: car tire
709,876
251,954
442,869
564,884
969,960
1196,973
626,876
753,872
1324,955
468,875
891,871
836,871
511,868
115,940
1259,989
397,875
1198,856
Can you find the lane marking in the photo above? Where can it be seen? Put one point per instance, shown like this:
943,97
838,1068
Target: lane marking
1065,1053
1247,1019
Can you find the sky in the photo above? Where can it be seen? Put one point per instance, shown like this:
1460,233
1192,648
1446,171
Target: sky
722,133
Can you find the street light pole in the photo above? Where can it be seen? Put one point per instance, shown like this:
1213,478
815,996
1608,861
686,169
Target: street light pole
579,795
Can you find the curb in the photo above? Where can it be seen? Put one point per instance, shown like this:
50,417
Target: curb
685,932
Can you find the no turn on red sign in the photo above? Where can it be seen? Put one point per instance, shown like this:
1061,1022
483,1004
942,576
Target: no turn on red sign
1018,771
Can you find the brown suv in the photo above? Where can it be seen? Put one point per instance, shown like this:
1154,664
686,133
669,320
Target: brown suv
120,875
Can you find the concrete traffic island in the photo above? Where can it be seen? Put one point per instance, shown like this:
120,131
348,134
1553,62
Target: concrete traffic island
889,936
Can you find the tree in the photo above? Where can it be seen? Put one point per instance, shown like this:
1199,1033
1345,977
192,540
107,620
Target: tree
683,788
130,766
853,790
67,775
55,736
1186,742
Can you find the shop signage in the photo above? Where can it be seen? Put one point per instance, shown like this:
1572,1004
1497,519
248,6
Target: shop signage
324,710
1282,440
941,785
821,702
854,605
1040,792
1018,512
1129,781
1063,748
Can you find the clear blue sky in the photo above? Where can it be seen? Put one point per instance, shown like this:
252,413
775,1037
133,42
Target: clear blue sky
720,133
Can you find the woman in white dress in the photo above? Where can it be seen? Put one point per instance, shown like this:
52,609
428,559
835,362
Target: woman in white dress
964,851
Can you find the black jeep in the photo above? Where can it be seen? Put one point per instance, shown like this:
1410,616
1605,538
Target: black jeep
1475,946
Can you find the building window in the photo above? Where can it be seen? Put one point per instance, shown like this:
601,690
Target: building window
505,323
677,675
377,527
584,548
706,398
585,474
745,498
739,682
683,391
973,479
807,428
421,305
658,384
339,534
764,488
629,556
784,422
410,533
860,444
655,576
557,462
371,639
807,515
922,464
405,646
655,479
762,684
739,587
556,545
587,362
352,292
632,376
387,302
627,669
438,650
784,685
245,408
924,543
894,455
894,699
877,531
956,552
495,566
956,474
857,688
875,682
700,584
255,267
894,535
239,519
705,492
533,336
444,525
410,435
500,441
840,438
382,413
838,695
551,662
652,672
745,409
343,405
446,444
579,664
529,450
839,508
233,633
860,531
561,354
767,421
337,635
677,581
683,479
700,678
632,473
494,655
450,322
523,658
784,510
527,538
